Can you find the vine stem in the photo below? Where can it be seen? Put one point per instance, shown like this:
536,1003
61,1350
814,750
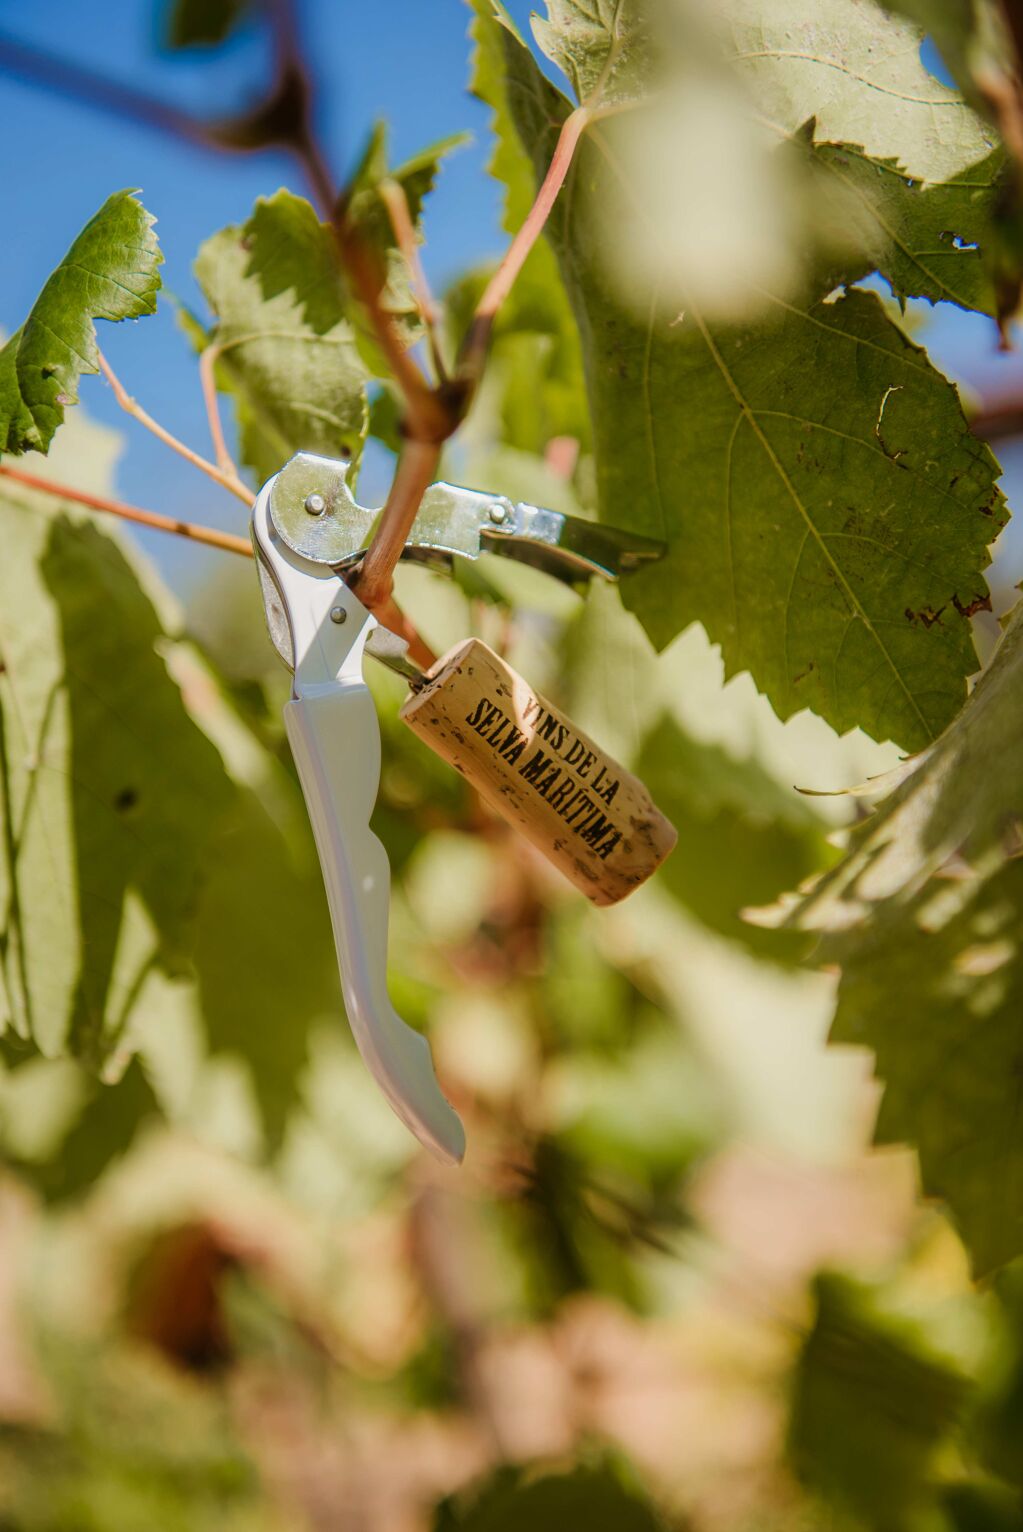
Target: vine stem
427,417
226,541
228,480
420,453
207,362
396,203
373,580
283,119
389,612
514,258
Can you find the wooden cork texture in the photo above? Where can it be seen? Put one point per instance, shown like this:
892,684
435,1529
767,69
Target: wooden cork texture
593,819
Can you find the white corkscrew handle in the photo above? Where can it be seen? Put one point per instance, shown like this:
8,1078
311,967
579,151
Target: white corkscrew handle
335,739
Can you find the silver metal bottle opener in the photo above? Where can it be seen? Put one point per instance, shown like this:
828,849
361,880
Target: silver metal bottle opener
307,529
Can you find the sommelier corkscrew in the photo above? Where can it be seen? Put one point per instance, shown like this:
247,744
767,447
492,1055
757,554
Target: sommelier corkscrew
307,530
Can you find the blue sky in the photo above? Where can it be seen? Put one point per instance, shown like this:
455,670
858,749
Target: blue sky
404,60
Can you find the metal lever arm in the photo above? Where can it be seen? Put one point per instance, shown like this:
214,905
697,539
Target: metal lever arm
336,744
335,738
315,513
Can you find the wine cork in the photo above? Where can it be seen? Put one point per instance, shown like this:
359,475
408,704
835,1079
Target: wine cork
593,819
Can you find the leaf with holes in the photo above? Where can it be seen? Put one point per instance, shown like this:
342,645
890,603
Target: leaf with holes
112,271
826,508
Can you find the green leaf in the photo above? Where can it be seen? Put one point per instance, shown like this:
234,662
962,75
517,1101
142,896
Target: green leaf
872,1401
370,216
286,348
595,1498
535,365
999,1417
741,838
982,1507
416,177
925,915
109,794
101,1135
828,509
264,955
973,39
110,272
935,988
825,504
930,239
606,50
157,874
204,23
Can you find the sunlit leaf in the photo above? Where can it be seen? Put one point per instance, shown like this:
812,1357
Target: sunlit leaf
824,502
536,360
285,347
110,272
110,794
925,914
741,839
872,1400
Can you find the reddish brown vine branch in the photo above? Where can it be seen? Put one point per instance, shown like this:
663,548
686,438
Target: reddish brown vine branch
227,477
415,472
226,541
503,279
283,119
999,418
394,199
208,384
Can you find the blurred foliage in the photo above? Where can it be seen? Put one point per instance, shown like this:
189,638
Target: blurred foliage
591,1497
673,1285
871,1405
925,914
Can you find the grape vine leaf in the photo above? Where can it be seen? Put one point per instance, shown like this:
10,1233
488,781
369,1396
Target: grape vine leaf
261,905
368,210
741,838
292,343
108,792
592,1497
110,1123
156,867
873,1399
973,41
286,348
535,364
371,218
111,272
975,44
924,915
827,510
